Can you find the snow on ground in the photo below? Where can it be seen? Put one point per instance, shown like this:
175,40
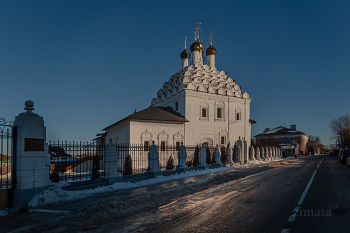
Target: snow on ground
55,194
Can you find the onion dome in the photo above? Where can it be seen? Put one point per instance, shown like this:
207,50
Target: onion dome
211,50
185,54
197,45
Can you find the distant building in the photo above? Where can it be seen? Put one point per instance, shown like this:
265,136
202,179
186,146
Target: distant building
293,142
5,160
5,164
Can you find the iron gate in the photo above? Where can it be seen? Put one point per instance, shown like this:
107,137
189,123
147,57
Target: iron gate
8,137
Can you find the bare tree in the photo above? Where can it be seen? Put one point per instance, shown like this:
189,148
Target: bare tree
341,130
315,144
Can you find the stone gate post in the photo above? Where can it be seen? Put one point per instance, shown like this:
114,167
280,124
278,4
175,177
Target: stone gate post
111,163
33,159
153,159
203,157
257,153
217,156
239,154
229,154
267,153
181,156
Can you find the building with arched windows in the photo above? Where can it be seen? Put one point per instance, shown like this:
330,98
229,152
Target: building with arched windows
198,104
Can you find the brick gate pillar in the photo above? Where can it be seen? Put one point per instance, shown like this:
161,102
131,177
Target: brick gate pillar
33,159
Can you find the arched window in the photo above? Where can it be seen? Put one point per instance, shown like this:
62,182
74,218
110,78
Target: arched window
219,110
204,111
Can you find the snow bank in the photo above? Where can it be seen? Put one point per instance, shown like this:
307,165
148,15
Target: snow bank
55,194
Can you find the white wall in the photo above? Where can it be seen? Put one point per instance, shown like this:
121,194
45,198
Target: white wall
119,133
156,131
199,129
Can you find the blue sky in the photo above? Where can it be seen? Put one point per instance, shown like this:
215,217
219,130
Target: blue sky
88,64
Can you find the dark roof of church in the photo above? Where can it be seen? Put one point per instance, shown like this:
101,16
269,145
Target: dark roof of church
153,113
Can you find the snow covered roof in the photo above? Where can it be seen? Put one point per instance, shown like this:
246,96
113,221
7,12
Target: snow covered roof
153,113
279,130
201,78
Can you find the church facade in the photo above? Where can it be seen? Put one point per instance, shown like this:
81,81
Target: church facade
199,104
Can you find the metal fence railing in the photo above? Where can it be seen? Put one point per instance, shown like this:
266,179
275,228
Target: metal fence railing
74,160
6,151
132,158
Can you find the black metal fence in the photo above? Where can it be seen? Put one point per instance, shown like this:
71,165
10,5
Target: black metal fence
72,161
193,155
6,151
133,158
76,160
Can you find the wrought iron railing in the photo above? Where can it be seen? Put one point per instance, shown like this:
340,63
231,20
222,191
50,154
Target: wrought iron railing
6,151
72,161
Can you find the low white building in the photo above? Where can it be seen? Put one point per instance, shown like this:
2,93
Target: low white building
198,104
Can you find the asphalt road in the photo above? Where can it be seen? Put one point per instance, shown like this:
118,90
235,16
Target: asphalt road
265,202
241,200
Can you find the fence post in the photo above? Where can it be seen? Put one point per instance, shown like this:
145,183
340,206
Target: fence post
181,156
239,154
32,159
229,154
217,156
267,153
202,157
257,153
111,163
153,160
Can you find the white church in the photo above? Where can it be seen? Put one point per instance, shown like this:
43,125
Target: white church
197,105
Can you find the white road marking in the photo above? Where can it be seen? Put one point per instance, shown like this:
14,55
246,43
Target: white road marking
49,211
292,217
296,209
306,189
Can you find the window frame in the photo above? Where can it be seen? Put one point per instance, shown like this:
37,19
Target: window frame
223,140
146,146
219,110
220,104
162,145
204,106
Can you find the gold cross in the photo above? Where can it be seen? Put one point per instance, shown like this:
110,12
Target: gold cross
211,38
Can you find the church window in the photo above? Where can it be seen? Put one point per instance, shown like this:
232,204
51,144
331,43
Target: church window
220,110
146,146
177,106
204,112
162,145
222,140
238,117
177,145
219,113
